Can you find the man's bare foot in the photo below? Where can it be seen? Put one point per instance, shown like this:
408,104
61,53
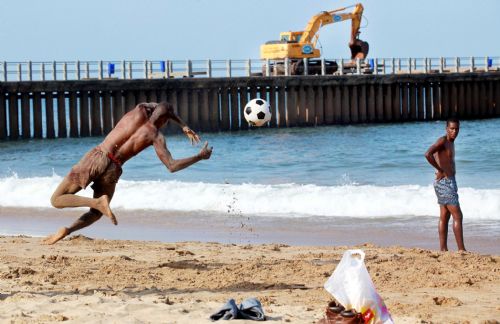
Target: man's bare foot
103,207
59,235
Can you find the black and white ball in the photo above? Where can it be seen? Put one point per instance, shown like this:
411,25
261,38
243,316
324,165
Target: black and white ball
257,112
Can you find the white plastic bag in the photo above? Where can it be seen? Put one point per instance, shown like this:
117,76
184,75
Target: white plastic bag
351,285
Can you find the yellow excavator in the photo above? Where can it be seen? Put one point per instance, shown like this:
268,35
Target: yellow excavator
297,45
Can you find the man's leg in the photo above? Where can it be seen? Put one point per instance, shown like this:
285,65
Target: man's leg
86,219
65,196
444,218
456,212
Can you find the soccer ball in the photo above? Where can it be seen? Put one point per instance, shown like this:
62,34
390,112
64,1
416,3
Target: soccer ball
257,112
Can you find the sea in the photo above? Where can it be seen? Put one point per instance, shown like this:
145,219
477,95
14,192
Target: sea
317,185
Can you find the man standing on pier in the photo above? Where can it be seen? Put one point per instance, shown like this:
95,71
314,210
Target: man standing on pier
137,130
441,155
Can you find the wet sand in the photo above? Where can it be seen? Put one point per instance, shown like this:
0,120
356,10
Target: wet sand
421,232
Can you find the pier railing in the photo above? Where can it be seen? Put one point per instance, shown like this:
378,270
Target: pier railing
166,69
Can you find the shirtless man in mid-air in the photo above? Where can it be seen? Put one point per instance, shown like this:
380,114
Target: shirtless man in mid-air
441,155
137,130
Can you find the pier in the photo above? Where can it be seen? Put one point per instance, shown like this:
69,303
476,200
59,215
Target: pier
91,107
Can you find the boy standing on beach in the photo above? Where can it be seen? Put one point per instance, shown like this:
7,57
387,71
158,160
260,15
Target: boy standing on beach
441,155
102,165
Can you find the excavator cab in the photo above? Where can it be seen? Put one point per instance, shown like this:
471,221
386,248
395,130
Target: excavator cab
291,37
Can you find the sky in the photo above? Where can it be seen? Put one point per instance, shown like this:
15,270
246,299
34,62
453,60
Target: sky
69,30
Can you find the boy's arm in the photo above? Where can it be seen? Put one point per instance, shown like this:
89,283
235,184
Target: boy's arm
429,155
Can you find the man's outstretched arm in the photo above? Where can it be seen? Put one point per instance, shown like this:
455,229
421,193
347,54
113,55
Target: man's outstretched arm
175,165
193,137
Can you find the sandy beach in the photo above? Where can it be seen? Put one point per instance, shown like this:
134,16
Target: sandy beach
81,279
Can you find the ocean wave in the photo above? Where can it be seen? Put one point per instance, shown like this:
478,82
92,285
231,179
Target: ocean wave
289,200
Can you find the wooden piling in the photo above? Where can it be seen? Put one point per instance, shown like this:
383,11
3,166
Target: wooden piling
354,105
73,114
475,100
281,111
13,116
310,107
243,102
372,103
224,110
345,108
26,115
194,110
118,106
337,105
363,112
214,109
263,92
445,100
163,96
302,109
95,114
37,115
468,100
387,100
420,101
61,115
319,106
107,122
396,102
428,102
183,104
291,107
84,114
405,111
3,117
379,104
141,97
273,103
491,99
453,99
461,100
329,106
436,101
49,115
173,99
204,110
412,98
483,99
497,98
253,92
130,101
152,96
235,109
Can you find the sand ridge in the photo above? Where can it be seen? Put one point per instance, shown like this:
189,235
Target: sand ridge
81,279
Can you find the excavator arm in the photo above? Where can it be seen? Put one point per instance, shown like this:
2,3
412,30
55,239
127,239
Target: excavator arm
310,34
359,48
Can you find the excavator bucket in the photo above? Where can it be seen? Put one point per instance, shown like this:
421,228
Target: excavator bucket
359,49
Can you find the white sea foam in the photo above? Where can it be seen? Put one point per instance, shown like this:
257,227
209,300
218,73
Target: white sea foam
289,200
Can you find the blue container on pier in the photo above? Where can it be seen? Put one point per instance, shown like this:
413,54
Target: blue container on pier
111,69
